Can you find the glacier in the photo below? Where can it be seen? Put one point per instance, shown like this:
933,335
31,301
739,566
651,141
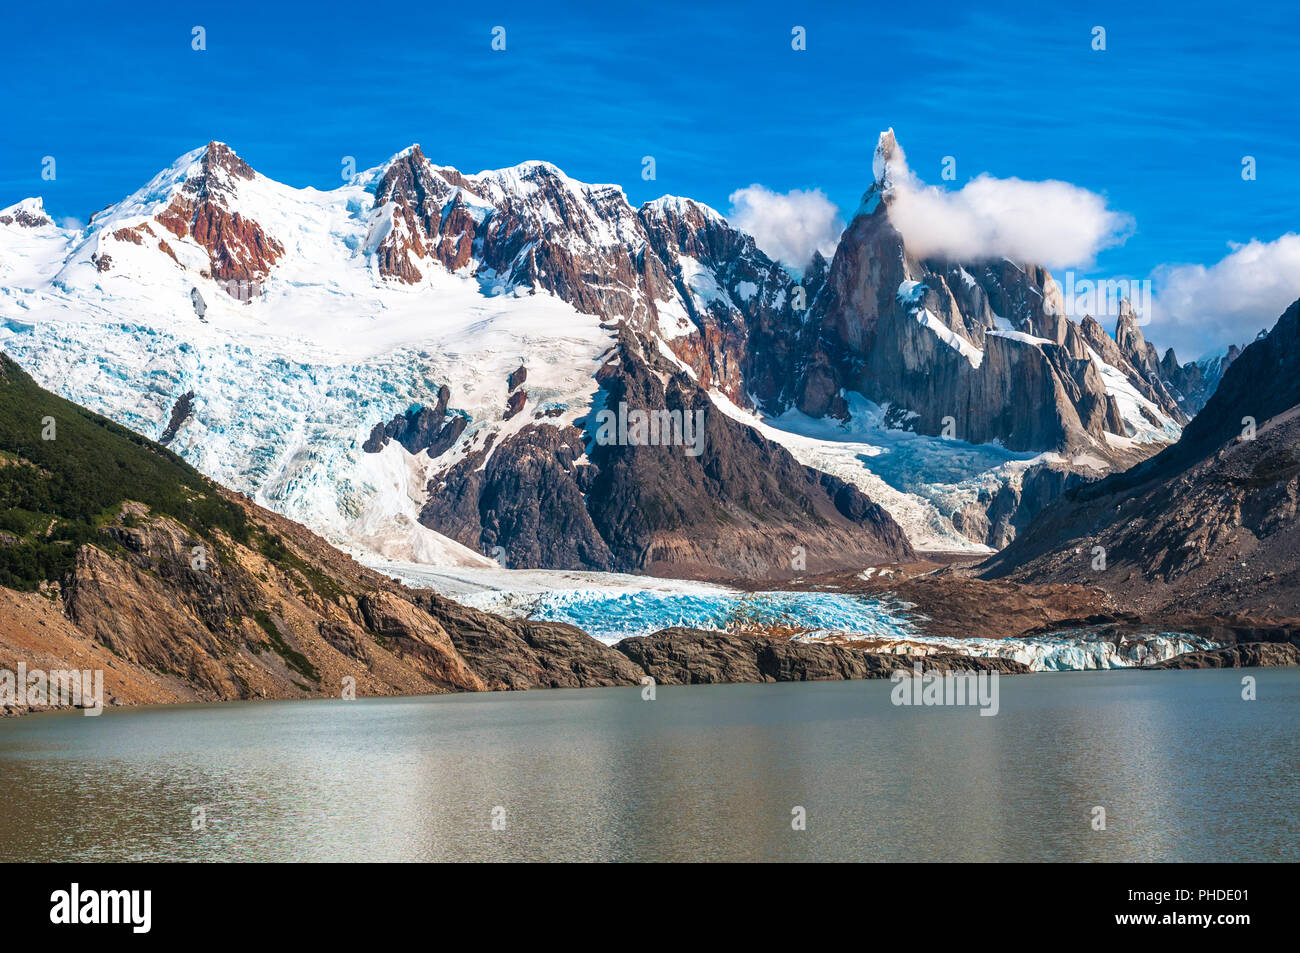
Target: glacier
614,606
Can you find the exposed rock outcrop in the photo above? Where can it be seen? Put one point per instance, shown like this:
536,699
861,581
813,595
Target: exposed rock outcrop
697,657
1210,521
995,517
1246,655
29,213
428,429
727,502
238,248
515,403
181,411
985,347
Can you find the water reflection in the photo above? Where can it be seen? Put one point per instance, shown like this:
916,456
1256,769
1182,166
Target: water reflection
1185,769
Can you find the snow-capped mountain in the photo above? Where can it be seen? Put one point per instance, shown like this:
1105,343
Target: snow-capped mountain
1210,520
1194,383
413,364
987,345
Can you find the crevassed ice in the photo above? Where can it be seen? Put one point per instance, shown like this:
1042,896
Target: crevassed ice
1067,651
612,615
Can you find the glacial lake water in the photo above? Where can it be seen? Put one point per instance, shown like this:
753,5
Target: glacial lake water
1186,770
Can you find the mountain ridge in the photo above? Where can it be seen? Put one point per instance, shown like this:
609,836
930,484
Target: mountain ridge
465,278
1208,521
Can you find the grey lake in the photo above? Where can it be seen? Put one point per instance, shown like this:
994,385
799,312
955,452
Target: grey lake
1184,768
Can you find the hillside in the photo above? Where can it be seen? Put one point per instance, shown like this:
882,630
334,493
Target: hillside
116,554
1209,524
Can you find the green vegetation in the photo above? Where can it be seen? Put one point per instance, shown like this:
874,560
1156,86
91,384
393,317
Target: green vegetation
55,494
294,659
273,548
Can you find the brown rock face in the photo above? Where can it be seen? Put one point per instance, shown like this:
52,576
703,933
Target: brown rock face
697,657
742,506
131,235
516,403
1209,523
28,214
417,638
238,248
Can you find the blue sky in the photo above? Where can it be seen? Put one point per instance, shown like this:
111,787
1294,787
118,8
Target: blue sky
1158,123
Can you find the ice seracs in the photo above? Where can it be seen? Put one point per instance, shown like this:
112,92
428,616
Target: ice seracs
302,318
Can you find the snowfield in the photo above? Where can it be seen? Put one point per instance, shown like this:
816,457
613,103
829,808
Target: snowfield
919,479
288,385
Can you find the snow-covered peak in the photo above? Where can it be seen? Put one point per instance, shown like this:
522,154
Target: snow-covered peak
558,201
212,172
412,150
531,170
886,149
888,169
29,213
681,207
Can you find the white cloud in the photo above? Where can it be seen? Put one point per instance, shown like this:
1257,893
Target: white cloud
72,223
788,226
1051,223
1200,309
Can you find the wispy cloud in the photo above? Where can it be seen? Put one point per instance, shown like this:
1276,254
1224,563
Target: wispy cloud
788,226
1201,308
1052,223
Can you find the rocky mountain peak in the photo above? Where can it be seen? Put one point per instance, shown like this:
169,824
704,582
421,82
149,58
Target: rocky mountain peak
202,187
677,208
985,343
29,213
888,166
221,166
1134,347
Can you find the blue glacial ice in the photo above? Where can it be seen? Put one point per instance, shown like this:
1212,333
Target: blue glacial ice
886,625
610,615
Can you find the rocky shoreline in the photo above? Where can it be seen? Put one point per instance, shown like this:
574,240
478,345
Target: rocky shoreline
524,656
698,657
